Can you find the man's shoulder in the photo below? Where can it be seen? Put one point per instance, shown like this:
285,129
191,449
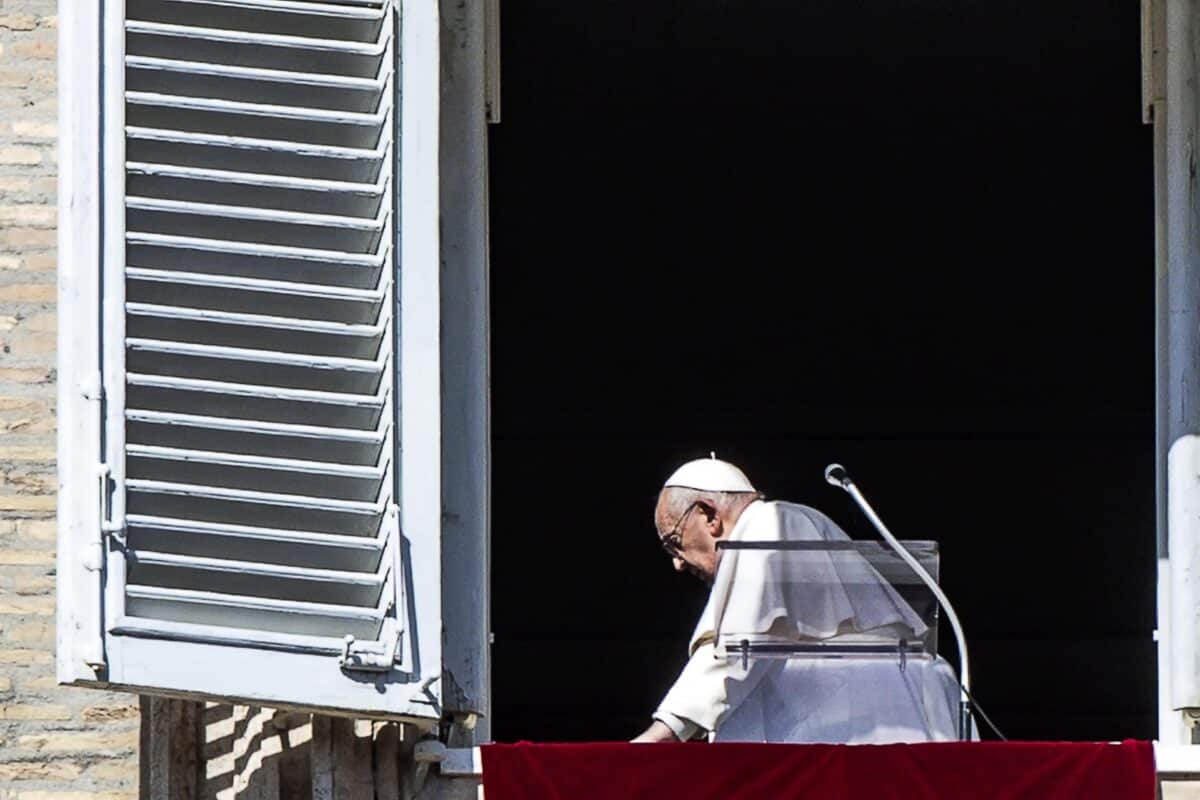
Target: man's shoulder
784,507
796,520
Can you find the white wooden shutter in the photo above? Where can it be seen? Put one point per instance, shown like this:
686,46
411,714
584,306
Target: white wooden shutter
252,496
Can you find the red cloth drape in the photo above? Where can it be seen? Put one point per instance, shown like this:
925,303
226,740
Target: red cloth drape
945,771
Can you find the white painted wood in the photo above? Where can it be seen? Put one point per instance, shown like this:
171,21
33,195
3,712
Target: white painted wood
419,329
1177,761
79,637
112,302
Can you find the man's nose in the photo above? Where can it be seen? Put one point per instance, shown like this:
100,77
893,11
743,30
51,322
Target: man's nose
680,564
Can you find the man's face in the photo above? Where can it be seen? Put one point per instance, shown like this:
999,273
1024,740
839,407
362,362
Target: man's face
690,537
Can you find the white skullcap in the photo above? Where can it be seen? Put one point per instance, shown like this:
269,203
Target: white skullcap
710,475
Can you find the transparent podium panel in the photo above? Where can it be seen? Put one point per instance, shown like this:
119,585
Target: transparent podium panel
824,600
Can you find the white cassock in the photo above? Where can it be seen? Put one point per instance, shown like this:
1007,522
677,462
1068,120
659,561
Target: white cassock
834,700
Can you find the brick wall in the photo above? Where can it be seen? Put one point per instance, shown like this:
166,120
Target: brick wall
54,742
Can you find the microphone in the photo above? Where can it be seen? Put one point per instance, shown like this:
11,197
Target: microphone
836,475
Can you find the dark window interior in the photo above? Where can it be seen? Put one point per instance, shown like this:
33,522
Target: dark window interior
913,237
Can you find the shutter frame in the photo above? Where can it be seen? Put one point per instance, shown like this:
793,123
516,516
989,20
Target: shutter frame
167,659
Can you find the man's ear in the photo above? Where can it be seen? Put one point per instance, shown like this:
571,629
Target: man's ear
711,518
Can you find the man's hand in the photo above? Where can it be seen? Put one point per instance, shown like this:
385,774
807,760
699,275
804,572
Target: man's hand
657,732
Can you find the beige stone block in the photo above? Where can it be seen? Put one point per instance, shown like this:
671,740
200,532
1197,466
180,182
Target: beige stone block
37,530
34,711
27,557
5,683
8,323
9,262
11,185
34,215
42,322
29,633
22,656
17,403
110,713
44,683
76,741
30,346
35,129
28,293
20,155
39,771
18,22
34,584
43,455
1181,790
37,48
27,237
26,502
30,604
114,770
31,425
16,79
40,262
25,374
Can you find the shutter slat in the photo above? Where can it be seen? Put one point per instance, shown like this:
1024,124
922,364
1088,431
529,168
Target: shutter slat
276,252
250,49
282,192
247,401
254,579
241,611
240,471
361,23
257,437
239,506
255,154
234,293
255,84
231,329
212,634
244,542
259,320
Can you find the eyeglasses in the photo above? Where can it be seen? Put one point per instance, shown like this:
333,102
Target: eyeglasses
673,541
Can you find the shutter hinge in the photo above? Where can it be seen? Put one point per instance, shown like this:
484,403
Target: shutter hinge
93,388
113,527
377,656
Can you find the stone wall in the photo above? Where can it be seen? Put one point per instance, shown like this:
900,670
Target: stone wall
55,742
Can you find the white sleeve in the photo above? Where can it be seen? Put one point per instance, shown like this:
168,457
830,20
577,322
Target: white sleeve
701,694
684,729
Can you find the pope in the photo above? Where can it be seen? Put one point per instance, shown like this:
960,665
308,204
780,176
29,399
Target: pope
817,599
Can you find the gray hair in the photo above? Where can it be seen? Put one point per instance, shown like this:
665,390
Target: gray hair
676,499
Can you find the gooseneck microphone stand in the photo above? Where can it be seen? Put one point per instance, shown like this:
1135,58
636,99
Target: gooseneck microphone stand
836,475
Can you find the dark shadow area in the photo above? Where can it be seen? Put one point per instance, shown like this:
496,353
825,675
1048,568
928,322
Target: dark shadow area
916,238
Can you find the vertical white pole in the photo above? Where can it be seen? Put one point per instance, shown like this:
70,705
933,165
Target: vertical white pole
465,407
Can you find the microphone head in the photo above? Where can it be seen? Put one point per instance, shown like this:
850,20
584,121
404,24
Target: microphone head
837,476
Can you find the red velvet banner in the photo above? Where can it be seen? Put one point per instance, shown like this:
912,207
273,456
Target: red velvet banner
945,771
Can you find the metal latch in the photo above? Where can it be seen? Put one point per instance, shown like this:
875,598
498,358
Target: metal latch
376,656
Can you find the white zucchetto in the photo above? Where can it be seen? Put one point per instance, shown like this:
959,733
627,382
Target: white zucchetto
710,475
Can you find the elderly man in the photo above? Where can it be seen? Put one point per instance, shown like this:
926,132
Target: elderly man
793,700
